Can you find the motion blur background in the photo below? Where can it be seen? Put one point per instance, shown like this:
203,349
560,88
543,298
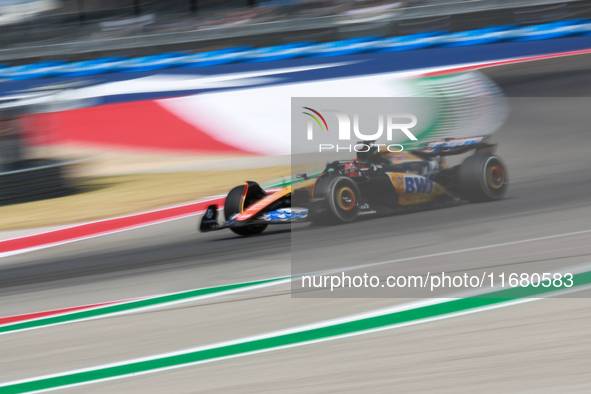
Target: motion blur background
100,84
206,24
113,108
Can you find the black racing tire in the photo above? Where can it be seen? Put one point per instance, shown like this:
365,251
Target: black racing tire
483,178
344,198
232,207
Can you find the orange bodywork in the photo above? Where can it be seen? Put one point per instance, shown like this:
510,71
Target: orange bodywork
263,203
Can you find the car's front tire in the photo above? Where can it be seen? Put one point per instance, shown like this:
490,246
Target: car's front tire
234,204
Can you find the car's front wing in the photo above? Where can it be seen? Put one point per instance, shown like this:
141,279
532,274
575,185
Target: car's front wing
209,221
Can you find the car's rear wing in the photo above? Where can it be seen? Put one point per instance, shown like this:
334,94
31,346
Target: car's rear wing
456,146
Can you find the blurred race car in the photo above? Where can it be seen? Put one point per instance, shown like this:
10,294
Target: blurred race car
376,182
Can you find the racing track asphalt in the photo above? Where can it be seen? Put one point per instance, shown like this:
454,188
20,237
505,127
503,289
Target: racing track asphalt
549,193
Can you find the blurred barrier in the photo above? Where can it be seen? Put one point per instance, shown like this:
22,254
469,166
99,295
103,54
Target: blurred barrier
92,67
214,58
32,71
479,36
104,29
345,47
155,62
413,41
299,49
15,11
127,23
549,13
280,52
40,179
552,30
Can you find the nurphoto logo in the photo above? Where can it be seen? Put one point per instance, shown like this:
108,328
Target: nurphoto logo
401,122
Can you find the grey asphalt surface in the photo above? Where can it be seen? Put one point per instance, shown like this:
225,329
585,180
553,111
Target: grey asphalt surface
545,146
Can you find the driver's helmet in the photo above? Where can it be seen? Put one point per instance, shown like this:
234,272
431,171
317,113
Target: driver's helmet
351,169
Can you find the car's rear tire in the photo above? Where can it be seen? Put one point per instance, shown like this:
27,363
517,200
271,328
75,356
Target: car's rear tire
234,205
483,178
344,198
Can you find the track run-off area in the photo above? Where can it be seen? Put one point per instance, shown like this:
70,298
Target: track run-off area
149,309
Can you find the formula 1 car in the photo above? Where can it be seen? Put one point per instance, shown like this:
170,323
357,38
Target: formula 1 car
377,182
